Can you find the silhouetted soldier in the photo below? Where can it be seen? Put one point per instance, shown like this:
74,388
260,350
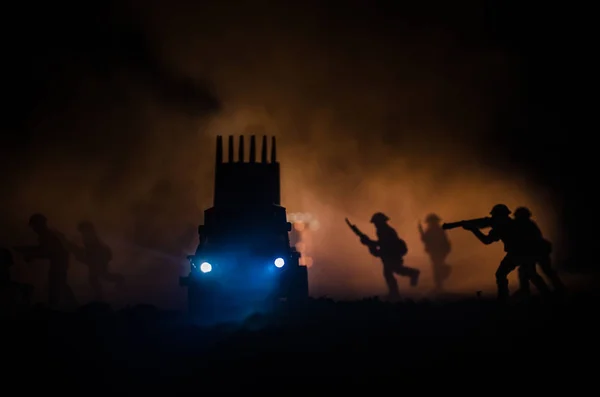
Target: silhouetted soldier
97,256
391,249
518,249
437,246
51,248
23,291
543,248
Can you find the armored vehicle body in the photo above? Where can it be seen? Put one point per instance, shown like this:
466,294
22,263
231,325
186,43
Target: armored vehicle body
244,259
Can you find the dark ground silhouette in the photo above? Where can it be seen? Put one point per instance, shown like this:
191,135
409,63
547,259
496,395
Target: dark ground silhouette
146,348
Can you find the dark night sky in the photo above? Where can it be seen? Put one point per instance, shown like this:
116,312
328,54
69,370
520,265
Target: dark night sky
51,50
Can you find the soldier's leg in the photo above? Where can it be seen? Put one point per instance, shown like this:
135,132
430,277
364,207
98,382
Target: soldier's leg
528,268
438,272
524,287
546,266
410,272
390,280
437,280
507,265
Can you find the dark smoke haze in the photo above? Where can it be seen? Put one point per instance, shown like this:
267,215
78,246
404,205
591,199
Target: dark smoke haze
371,115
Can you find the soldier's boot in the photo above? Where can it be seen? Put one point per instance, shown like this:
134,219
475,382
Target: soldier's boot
391,282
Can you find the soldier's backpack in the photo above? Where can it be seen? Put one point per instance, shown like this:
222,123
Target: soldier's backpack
402,247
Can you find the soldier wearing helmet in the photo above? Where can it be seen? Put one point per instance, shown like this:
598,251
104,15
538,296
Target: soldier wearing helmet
97,256
542,249
517,249
437,246
52,248
391,249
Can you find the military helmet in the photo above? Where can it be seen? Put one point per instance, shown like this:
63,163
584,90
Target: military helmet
379,217
37,220
522,212
432,218
500,210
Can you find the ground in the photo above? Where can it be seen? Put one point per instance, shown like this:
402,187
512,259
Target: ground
144,347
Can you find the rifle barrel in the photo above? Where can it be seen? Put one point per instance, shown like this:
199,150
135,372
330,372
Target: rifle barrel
480,223
452,225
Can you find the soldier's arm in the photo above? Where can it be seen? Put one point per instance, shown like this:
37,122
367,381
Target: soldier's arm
490,238
365,240
374,250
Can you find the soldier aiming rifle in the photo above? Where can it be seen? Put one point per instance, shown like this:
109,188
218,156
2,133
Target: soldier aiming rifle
478,223
391,249
518,249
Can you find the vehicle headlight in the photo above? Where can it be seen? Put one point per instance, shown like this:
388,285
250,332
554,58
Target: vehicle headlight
279,262
205,267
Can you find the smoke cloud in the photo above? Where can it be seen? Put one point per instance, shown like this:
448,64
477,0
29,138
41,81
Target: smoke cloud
371,115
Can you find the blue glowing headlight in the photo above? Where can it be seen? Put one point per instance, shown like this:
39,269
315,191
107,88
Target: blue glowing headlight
205,267
279,262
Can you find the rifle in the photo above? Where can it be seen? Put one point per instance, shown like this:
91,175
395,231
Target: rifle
364,239
357,231
478,223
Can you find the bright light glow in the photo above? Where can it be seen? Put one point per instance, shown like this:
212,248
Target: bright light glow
205,267
279,262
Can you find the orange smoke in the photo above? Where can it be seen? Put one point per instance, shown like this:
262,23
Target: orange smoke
345,266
